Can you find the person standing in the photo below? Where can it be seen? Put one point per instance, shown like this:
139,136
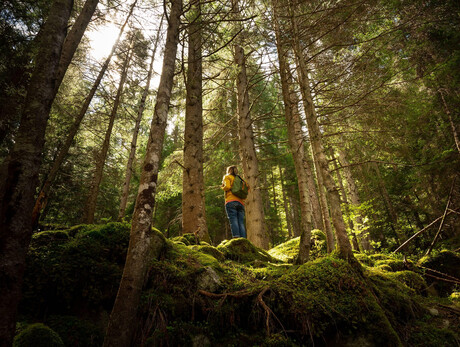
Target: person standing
234,205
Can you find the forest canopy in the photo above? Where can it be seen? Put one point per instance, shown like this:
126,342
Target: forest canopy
341,116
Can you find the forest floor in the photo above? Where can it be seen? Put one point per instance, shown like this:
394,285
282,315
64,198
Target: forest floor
237,294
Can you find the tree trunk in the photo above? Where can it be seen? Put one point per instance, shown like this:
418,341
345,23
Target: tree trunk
355,201
73,39
295,207
343,243
255,217
295,138
285,203
140,112
19,179
193,204
144,243
91,203
42,198
451,122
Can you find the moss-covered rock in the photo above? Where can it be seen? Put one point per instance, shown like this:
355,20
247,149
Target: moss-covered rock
330,287
286,251
213,251
399,302
81,273
411,279
364,259
45,237
393,264
242,250
379,256
38,335
438,266
187,239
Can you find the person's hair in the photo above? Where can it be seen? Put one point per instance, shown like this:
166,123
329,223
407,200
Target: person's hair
232,170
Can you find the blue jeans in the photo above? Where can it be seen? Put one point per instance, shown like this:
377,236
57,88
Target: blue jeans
235,214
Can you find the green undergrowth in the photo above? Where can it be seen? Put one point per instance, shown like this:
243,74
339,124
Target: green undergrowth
232,294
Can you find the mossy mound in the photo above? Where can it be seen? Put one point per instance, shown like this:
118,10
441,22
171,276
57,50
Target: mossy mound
80,274
243,251
411,279
364,259
187,239
45,237
445,264
379,256
394,264
288,251
398,300
38,335
207,249
327,299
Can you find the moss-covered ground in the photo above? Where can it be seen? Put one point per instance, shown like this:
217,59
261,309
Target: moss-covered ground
236,294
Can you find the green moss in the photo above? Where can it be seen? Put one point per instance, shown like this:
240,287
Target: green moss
180,253
411,279
207,249
364,259
286,251
326,294
384,267
38,335
187,239
379,256
82,272
426,335
46,237
242,250
393,264
455,297
398,300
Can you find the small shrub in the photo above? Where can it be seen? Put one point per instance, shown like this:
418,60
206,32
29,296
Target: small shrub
38,335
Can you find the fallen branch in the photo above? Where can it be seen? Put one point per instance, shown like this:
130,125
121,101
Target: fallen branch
238,294
442,220
452,278
425,228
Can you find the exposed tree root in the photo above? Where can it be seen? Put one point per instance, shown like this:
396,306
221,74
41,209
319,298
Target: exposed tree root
268,312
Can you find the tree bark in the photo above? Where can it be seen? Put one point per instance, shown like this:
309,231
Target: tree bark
295,207
144,243
285,203
343,243
91,203
295,138
43,195
364,238
140,112
19,179
451,122
255,217
73,39
193,203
